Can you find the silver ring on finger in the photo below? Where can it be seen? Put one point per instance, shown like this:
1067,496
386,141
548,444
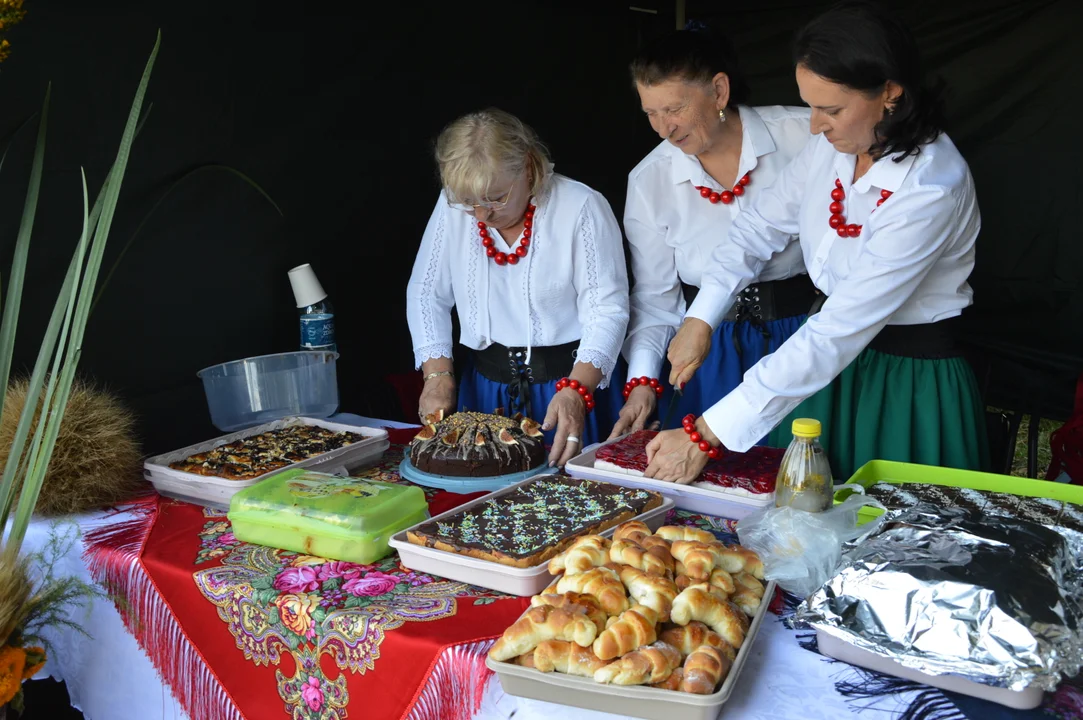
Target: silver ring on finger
573,438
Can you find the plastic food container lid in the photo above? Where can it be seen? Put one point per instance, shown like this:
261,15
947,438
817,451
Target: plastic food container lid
327,503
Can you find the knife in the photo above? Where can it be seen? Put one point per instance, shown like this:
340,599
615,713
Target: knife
673,402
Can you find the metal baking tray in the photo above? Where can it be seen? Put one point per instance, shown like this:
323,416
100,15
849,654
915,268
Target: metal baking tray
634,700
217,491
485,573
715,502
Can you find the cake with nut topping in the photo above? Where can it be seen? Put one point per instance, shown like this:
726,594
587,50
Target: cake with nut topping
473,444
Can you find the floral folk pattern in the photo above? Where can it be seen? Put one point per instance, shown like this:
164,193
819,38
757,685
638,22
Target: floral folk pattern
277,602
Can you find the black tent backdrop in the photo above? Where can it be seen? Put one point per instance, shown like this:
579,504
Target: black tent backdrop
335,115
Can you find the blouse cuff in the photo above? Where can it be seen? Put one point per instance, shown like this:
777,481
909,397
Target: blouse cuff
644,362
431,352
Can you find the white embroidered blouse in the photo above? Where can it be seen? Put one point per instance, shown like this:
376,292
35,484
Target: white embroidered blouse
572,284
909,266
672,230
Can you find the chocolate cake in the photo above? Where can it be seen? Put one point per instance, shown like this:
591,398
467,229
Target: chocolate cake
472,444
1053,513
750,473
528,525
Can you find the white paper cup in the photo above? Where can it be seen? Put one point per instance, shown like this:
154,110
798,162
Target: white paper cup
306,288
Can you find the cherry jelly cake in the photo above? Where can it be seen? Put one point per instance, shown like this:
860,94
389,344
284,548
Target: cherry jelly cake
750,473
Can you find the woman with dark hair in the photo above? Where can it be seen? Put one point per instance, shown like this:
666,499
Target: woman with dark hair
887,215
716,156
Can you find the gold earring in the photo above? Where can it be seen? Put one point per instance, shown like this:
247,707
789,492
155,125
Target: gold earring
721,116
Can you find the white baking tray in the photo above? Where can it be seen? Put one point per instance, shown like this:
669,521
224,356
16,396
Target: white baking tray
485,573
216,491
841,650
634,700
715,502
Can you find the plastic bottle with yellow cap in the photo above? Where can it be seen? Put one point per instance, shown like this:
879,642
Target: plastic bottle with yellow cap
804,480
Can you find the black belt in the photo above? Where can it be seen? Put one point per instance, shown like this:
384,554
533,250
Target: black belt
927,341
507,366
762,302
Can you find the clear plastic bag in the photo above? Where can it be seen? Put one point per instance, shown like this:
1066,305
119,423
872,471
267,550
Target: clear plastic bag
800,550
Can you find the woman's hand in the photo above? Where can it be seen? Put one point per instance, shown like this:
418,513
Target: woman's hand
437,396
566,413
673,457
688,350
642,402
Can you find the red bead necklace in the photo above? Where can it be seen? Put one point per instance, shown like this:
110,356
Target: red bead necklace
837,221
726,196
513,257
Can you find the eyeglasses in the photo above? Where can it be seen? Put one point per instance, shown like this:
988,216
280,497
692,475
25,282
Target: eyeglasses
487,204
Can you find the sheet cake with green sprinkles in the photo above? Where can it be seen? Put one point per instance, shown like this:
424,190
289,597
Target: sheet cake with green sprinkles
526,526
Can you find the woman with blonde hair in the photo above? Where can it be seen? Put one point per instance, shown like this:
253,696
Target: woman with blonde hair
533,264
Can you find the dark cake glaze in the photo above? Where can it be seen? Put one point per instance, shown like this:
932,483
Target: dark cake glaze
472,444
754,471
539,515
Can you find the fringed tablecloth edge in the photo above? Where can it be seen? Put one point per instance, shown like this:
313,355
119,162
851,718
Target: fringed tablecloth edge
113,555
454,687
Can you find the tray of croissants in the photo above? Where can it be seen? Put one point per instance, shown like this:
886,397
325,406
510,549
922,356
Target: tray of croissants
642,624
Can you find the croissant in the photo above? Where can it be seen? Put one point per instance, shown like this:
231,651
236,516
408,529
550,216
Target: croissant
588,603
723,581
709,589
602,584
747,601
655,592
697,558
633,530
753,564
722,616
543,623
683,532
673,682
734,558
650,664
634,628
693,635
628,553
526,659
566,657
748,582
585,553
749,593
660,549
703,670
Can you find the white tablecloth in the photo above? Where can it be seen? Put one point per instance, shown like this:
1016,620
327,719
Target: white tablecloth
109,676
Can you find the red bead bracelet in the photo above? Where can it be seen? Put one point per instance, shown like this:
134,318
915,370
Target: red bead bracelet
580,388
689,423
652,383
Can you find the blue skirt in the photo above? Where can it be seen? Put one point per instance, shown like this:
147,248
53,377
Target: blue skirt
481,394
727,364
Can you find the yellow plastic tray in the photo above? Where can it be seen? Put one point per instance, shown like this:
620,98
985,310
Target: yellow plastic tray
877,471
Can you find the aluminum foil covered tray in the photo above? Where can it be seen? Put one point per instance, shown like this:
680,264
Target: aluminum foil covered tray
950,592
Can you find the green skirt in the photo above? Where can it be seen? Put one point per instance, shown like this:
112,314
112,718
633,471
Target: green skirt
888,407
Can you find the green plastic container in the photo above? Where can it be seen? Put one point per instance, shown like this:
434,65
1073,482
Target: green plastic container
877,471
339,518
